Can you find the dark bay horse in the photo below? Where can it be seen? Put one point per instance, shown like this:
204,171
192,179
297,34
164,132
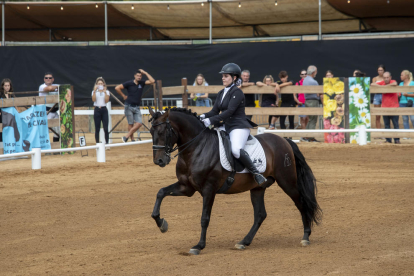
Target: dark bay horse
199,169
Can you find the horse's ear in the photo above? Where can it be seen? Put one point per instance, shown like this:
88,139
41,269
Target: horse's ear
151,111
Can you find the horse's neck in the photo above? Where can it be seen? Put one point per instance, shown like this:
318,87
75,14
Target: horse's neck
186,131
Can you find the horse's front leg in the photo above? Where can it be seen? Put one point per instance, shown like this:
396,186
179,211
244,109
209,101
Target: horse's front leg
176,189
208,200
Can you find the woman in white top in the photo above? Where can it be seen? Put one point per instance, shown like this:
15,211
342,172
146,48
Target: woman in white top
100,96
201,99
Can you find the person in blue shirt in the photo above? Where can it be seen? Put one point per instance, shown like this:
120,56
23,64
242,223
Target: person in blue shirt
407,99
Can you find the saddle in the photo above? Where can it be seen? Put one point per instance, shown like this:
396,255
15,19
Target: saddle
230,163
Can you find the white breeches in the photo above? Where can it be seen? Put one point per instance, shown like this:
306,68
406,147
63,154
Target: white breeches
238,138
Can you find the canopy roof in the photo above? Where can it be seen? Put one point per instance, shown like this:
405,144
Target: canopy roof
82,21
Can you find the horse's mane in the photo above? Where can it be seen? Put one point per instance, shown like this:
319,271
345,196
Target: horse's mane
181,110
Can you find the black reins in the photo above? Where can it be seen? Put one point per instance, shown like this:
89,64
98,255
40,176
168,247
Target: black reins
168,147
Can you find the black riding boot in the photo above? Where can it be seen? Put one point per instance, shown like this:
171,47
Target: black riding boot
247,162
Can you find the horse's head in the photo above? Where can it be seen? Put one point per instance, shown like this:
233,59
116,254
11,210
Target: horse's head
163,137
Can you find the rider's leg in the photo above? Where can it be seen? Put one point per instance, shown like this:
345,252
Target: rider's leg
238,138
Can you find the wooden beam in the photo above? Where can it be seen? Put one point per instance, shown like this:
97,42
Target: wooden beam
160,92
392,111
270,110
185,94
172,90
23,101
375,89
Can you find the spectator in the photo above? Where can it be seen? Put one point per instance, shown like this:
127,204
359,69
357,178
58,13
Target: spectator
270,100
46,89
135,90
248,98
288,100
359,74
389,100
329,74
407,99
6,87
100,97
312,100
201,99
378,97
303,118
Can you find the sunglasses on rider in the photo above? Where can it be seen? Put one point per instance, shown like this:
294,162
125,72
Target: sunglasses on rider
48,78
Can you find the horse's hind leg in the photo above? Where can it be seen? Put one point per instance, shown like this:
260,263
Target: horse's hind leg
176,189
257,197
294,194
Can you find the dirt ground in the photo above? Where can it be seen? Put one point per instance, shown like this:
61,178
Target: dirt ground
78,217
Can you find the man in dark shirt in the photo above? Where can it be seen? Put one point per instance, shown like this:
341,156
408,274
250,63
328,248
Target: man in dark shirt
288,100
248,98
135,90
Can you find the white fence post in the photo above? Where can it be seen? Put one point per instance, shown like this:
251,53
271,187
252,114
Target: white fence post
36,159
362,136
100,153
109,107
261,130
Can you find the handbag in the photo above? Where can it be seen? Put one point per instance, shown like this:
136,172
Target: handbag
409,103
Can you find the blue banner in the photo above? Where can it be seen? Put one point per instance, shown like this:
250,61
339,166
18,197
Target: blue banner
26,130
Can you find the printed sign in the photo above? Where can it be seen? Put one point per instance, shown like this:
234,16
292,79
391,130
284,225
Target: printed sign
26,130
67,121
359,106
333,109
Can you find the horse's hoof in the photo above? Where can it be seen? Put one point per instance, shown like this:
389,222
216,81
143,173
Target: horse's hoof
164,226
194,251
304,243
240,246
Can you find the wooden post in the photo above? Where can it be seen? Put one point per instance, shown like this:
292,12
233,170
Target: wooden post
346,111
159,90
185,94
154,89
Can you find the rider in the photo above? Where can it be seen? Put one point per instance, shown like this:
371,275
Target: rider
230,101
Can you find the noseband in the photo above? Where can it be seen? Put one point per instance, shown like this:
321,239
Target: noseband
168,147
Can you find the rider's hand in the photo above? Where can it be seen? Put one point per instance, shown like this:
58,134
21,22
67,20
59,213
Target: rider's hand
202,116
206,122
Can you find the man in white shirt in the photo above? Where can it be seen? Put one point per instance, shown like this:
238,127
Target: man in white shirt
46,89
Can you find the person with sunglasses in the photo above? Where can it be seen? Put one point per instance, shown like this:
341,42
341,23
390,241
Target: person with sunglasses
46,89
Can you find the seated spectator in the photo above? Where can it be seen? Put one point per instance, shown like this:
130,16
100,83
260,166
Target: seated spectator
249,98
329,74
288,100
100,97
6,87
389,100
201,99
270,100
407,99
303,118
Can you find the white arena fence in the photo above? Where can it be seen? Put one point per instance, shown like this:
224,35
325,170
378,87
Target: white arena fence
36,153
362,132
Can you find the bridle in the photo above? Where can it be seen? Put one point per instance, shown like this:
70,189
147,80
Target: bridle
168,147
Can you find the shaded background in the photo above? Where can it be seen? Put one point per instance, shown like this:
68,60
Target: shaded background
80,66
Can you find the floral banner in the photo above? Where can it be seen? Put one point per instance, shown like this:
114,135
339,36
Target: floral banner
359,106
333,109
67,121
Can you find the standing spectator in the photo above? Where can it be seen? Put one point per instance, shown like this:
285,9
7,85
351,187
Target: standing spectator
270,100
100,97
378,97
135,90
201,99
6,87
389,100
407,99
288,100
301,97
248,98
312,100
46,89
329,74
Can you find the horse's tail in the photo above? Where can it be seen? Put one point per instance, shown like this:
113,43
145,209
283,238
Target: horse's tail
306,184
